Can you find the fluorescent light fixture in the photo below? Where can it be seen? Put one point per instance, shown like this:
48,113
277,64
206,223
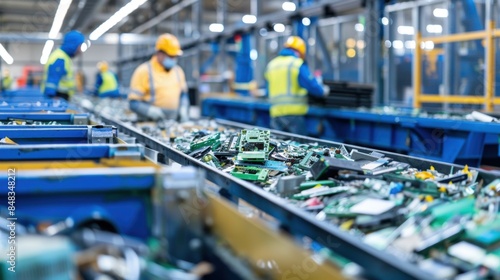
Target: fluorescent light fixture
410,44
84,47
249,19
62,9
116,18
47,49
288,6
397,44
216,27
406,30
5,55
359,27
440,13
254,54
306,21
385,21
279,27
434,28
429,45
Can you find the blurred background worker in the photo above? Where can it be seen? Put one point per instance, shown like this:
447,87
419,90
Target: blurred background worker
106,82
58,75
289,81
158,86
7,80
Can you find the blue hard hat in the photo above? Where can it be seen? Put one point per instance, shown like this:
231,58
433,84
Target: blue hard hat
72,41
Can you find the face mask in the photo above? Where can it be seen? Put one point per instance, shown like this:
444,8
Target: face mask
169,63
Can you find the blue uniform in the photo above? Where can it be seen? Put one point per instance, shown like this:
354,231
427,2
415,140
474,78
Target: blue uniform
58,75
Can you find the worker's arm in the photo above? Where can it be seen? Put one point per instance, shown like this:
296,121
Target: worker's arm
307,81
54,74
98,83
139,84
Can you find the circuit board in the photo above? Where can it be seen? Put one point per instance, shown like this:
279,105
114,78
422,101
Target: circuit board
250,173
254,145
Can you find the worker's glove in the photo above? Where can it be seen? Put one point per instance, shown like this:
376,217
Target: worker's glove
155,113
326,90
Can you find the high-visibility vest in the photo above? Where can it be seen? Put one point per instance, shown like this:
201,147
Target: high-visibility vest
109,82
7,83
67,82
287,97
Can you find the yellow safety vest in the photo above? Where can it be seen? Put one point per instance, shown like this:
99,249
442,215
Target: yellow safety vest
109,82
67,83
287,97
7,83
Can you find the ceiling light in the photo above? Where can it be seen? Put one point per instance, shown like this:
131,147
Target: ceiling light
434,28
254,54
289,6
397,44
406,30
279,27
216,27
410,44
306,21
249,19
429,45
385,21
84,47
440,13
359,27
47,49
4,54
116,18
62,9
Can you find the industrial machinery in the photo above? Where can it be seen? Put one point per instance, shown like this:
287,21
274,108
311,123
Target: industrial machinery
338,195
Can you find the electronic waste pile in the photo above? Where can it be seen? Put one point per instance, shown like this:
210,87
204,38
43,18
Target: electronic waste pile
447,224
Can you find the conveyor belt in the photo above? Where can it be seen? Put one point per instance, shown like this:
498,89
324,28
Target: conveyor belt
377,264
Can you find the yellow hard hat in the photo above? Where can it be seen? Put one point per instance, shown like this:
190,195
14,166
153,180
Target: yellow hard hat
296,43
102,66
169,44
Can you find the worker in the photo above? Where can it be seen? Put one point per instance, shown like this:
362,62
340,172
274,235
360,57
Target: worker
106,83
289,81
6,80
58,76
158,86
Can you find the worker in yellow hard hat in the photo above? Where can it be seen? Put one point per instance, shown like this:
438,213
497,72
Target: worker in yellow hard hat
106,83
7,80
158,86
288,83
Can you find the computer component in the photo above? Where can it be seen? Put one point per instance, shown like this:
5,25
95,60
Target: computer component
250,173
309,160
268,164
330,166
229,147
254,145
212,140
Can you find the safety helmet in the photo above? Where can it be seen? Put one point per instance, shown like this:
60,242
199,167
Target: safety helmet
102,66
169,44
296,43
